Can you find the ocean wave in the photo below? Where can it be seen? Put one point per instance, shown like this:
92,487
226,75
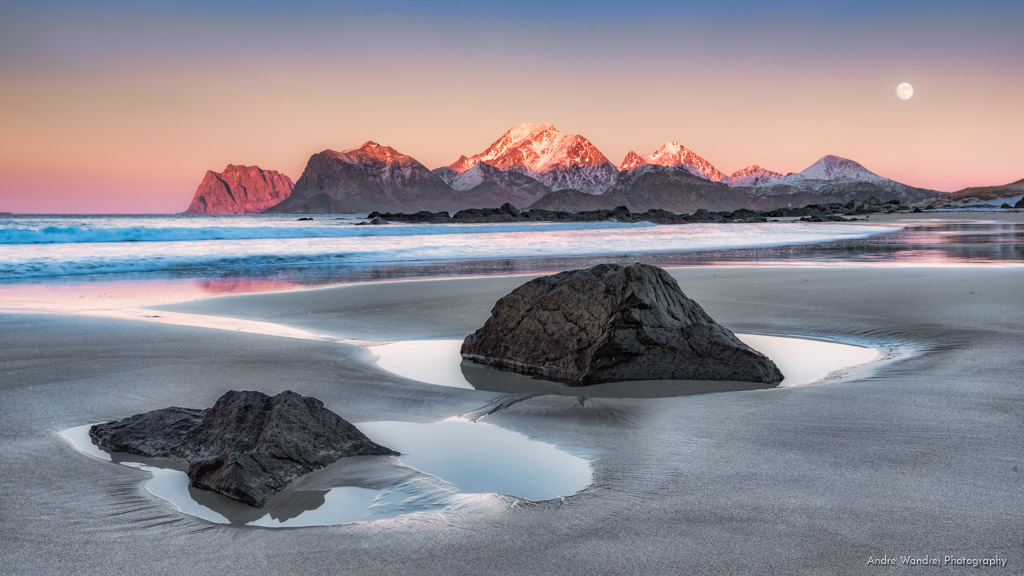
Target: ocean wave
82,234
240,264
220,257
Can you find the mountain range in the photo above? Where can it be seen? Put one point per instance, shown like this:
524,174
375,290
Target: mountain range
535,165
837,178
559,161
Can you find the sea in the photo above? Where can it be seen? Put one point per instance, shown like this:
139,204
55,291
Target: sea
58,246
260,252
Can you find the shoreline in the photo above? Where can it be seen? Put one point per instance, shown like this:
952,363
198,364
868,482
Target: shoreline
153,289
840,472
928,438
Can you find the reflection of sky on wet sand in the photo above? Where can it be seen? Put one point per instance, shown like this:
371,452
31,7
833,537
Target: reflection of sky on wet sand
444,465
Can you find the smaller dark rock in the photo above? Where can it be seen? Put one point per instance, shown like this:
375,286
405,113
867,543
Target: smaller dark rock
248,446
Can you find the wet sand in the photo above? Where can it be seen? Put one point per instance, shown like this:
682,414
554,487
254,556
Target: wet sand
921,458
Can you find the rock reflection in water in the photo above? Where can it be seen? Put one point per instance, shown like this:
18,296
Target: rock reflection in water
802,361
444,465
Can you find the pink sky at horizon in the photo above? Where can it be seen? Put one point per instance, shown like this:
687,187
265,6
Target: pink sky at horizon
131,123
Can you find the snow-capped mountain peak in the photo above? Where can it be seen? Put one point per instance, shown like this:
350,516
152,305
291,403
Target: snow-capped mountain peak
674,154
469,179
835,177
542,152
840,169
752,175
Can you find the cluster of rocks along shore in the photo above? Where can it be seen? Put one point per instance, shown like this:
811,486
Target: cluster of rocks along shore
507,213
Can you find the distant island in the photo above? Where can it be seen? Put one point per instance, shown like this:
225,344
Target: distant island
536,167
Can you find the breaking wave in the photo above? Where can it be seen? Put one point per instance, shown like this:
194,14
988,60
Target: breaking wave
202,251
85,234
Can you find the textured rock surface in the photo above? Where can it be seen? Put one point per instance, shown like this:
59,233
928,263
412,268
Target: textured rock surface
240,190
248,446
152,434
612,323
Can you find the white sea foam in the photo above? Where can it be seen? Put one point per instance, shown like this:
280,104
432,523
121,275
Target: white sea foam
101,234
104,245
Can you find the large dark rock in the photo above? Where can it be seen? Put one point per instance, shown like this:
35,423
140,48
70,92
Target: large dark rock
612,323
248,446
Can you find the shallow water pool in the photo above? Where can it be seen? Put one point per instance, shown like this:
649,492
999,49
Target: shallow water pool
802,361
444,465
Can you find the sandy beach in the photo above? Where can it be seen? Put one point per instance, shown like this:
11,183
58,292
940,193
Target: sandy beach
923,458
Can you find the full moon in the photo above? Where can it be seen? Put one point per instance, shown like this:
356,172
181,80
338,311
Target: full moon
905,91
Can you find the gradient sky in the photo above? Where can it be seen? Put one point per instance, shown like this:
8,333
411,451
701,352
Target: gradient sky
123,106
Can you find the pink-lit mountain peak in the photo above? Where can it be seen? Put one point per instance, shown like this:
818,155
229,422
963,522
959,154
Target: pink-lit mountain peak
240,190
542,152
370,151
535,148
752,175
674,154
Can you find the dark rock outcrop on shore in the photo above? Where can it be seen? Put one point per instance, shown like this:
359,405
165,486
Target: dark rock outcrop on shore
248,446
612,323
508,213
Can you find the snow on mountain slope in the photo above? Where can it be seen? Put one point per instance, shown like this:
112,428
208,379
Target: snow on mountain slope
838,169
752,175
542,152
839,178
674,154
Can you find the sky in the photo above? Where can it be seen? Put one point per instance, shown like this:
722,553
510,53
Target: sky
121,107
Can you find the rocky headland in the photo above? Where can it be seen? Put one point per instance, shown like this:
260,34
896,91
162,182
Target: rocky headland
240,190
